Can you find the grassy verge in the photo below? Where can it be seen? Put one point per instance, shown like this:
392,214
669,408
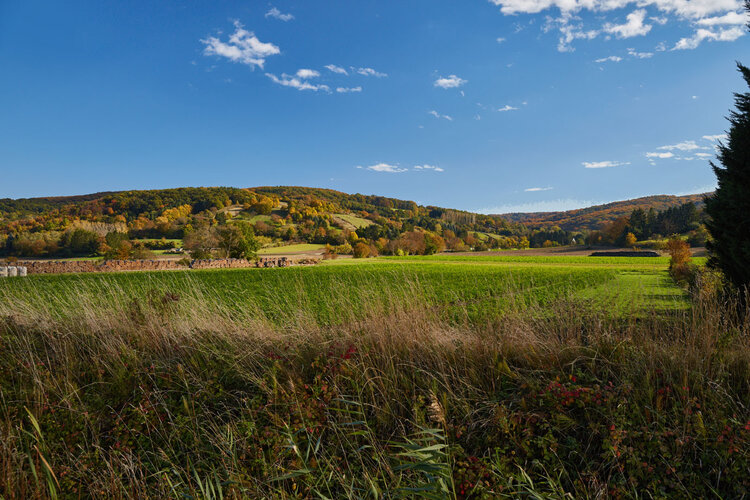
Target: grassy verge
385,380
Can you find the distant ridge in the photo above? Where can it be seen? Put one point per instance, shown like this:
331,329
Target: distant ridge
592,218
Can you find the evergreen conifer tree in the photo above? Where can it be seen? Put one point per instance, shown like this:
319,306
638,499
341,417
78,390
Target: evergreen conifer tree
729,206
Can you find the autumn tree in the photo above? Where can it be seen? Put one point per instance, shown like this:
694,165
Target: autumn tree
630,240
200,242
679,264
361,250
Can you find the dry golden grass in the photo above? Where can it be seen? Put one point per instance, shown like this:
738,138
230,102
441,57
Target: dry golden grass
177,394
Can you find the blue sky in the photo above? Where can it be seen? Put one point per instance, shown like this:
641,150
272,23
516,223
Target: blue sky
492,106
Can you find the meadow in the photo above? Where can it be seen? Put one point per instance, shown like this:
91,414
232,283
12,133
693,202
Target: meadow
405,377
480,288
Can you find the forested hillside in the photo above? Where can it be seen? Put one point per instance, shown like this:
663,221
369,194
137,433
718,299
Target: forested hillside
226,221
595,217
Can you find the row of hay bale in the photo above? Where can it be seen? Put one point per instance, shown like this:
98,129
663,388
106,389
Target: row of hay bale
273,262
12,271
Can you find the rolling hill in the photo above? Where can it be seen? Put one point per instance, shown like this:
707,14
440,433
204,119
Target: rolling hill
592,218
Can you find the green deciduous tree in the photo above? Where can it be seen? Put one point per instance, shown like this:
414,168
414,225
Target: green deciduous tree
237,240
729,206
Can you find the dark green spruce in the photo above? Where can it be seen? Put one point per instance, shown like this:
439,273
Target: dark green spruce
729,206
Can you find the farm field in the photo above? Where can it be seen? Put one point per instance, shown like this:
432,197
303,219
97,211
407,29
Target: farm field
475,287
291,249
357,375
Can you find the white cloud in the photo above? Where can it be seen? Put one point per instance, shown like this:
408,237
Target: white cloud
682,146
640,55
384,167
438,115
608,59
336,69
722,35
507,107
307,73
659,155
296,83
604,164
370,72
500,39
690,9
450,82
728,18
531,190
276,14
703,13
703,155
243,47
345,90
428,167
633,27
570,29
718,137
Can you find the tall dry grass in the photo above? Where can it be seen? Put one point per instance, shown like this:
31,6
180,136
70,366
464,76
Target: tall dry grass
173,393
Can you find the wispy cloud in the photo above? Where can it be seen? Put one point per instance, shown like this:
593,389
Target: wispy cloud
714,138
345,90
693,9
297,83
682,146
450,82
728,18
507,107
370,72
609,59
659,155
438,115
569,23
535,189
604,164
426,167
500,39
702,34
640,55
277,14
242,47
384,167
336,69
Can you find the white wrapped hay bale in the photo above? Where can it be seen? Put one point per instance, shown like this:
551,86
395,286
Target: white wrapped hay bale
12,271
21,270
3,271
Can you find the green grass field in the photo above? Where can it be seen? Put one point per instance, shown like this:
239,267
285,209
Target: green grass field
287,249
478,288
451,377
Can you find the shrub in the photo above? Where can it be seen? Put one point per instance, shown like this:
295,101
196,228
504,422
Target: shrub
361,250
679,265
